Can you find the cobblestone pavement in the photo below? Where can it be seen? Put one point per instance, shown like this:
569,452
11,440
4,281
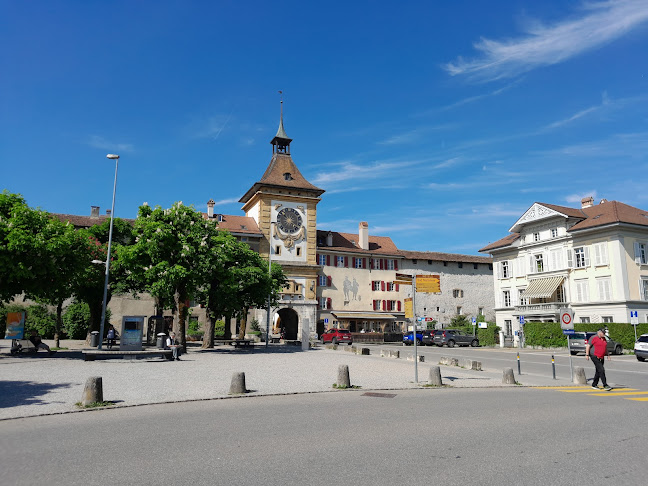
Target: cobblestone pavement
35,384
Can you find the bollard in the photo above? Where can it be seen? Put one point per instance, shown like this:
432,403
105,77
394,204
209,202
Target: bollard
518,360
343,380
579,376
553,366
93,391
435,376
237,387
508,378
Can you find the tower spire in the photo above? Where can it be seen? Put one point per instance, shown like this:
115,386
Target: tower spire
281,142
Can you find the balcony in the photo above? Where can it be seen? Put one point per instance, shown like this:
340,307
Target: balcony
543,309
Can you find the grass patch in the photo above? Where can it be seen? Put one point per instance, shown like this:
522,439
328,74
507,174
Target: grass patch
427,385
59,349
344,387
95,404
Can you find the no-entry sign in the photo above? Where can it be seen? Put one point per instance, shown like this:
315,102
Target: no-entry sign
566,319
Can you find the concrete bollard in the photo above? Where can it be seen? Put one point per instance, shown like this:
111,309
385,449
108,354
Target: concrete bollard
508,378
384,353
435,376
419,358
394,354
237,387
363,351
343,380
579,376
93,391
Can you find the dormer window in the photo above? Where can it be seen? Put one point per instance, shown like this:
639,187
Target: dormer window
287,176
536,236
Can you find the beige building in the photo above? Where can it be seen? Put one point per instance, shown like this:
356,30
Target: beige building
593,259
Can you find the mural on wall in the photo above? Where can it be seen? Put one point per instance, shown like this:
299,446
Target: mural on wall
350,290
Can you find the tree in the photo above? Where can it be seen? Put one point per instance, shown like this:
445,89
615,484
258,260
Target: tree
235,279
167,257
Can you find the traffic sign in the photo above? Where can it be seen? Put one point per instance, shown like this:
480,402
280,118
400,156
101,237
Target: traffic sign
474,321
428,283
634,318
521,319
483,325
326,320
566,319
569,332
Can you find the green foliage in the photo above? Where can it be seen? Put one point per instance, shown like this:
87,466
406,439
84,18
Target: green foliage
460,321
219,329
488,336
481,318
549,334
41,320
431,325
194,329
254,325
76,320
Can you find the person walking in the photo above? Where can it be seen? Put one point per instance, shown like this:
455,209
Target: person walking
110,337
598,345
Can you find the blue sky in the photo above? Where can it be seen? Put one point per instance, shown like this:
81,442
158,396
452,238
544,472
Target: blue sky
439,123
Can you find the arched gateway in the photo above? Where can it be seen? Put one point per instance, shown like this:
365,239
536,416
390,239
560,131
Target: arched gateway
289,323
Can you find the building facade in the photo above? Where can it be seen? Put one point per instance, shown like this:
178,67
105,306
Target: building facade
592,259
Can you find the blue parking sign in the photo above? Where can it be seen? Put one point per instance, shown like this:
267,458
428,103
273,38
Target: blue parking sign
521,319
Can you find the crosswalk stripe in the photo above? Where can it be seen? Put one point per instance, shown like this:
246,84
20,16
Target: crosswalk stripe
613,394
592,391
644,399
566,387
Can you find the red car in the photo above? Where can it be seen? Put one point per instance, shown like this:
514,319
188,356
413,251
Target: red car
337,336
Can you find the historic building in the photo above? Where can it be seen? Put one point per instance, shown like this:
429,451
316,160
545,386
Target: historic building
593,259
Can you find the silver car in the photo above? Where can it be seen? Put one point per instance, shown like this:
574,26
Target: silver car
578,341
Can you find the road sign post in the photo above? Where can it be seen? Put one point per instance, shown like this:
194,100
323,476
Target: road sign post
567,325
634,320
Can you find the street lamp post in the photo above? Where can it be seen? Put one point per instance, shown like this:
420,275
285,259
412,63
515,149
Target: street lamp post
112,216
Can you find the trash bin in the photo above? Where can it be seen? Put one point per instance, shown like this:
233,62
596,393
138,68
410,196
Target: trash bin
160,340
94,339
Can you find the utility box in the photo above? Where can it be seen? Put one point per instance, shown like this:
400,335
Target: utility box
131,333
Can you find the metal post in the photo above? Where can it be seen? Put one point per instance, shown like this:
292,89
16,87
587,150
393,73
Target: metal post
571,365
518,361
414,330
105,294
270,274
553,366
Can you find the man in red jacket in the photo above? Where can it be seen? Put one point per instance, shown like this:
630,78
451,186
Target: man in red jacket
599,352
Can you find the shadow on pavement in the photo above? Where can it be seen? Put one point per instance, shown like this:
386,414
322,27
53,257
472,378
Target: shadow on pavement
17,393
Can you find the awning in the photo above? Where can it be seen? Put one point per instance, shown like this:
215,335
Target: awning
375,317
542,287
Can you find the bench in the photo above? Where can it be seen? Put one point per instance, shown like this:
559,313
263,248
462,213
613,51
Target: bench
91,354
242,343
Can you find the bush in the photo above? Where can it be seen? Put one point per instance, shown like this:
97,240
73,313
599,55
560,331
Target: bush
76,320
40,320
219,329
488,336
460,321
193,329
549,334
254,325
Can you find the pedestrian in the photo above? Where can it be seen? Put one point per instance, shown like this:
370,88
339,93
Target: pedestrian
110,337
173,345
38,343
598,346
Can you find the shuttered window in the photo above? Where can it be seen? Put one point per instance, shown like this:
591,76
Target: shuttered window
582,290
604,287
600,253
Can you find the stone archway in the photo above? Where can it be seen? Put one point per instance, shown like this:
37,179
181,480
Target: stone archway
289,323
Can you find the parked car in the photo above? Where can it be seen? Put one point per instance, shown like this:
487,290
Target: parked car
452,337
578,341
422,337
641,347
337,336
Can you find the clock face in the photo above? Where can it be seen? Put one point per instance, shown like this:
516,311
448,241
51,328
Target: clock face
289,220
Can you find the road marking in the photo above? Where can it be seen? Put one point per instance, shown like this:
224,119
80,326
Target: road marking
613,394
564,388
638,399
589,390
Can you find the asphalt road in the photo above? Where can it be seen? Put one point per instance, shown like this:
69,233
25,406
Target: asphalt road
622,370
448,436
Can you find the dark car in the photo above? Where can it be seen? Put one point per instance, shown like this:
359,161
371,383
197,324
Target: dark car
578,341
422,337
337,336
452,337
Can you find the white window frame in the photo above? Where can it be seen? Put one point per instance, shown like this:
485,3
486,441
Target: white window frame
582,290
505,271
506,298
390,287
643,288
390,265
375,285
538,263
600,254
521,299
604,288
554,232
322,281
585,319
641,255
536,236
581,257
339,261
607,319
322,260
322,303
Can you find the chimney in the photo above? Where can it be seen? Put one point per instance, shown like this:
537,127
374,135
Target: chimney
587,202
210,208
603,201
329,239
108,212
94,211
363,235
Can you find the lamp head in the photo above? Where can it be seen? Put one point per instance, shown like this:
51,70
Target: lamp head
112,156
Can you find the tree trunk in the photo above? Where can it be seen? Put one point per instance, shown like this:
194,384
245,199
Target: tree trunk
179,322
57,333
208,337
95,318
228,327
243,324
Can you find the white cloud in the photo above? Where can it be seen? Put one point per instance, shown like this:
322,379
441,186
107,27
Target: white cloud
543,45
348,171
101,143
223,202
576,198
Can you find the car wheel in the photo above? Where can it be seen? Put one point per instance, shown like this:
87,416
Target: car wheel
334,341
474,343
573,353
418,342
440,345
350,343
451,344
618,350
640,358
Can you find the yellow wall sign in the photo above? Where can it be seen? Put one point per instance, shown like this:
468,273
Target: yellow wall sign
409,313
428,283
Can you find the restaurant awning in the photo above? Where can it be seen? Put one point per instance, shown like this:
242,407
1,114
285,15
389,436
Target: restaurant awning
542,287
363,316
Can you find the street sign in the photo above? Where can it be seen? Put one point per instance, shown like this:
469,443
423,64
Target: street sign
566,319
428,283
326,320
404,276
409,311
521,319
420,319
483,325
634,318
569,332
429,319
474,321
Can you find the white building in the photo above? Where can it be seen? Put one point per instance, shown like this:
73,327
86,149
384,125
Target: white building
593,260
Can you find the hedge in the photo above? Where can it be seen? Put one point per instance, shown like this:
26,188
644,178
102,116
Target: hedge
549,334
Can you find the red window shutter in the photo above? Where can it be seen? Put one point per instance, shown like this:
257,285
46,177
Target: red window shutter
328,280
328,260
328,303
381,263
364,263
399,306
397,287
384,305
374,304
382,286
346,262
395,264
385,264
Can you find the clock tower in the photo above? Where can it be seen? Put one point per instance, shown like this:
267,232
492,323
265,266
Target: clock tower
284,205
